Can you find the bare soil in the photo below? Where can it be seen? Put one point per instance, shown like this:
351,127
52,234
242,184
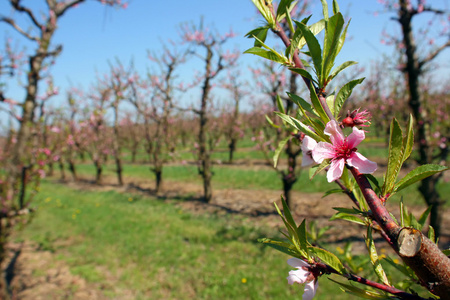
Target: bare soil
35,274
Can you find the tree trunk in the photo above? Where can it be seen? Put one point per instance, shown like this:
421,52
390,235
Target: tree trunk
98,174
61,168
51,170
119,170
413,72
73,170
232,147
158,178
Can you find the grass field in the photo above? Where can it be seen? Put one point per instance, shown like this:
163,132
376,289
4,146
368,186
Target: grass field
157,250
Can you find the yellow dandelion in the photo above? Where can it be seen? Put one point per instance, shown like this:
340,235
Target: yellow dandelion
48,199
382,256
340,250
77,211
74,216
360,269
383,250
244,280
130,199
97,204
396,261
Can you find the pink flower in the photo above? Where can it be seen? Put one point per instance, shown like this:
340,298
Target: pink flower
308,145
356,118
302,275
341,151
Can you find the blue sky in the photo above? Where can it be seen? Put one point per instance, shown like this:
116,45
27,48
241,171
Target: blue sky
92,35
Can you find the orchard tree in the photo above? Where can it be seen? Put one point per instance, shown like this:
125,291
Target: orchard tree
231,117
215,60
329,148
413,63
40,33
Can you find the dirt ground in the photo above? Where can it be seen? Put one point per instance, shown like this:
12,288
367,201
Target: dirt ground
34,274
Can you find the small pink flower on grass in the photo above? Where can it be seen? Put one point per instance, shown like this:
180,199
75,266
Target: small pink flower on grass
341,151
302,275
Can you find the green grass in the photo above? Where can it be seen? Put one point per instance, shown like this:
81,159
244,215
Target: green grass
159,251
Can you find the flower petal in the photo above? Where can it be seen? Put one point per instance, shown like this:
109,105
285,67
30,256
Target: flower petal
308,144
335,170
364,165
307,159
323,151
310,290
334,131
356,137
297,262
297,276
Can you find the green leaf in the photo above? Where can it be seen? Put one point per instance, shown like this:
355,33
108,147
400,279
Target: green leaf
265,12
360,292
305,129
431,234
378,268
270,55
347,217
330,102
334,28
303,73
260,33
271,123
325,163
408,141
283,8
325,9
279,149
340,68
335,7
446,252
313,46
287,214
342,39
280,246
395,158
344,93
423,217
315,29
328,258
333,191
301,232
280,105
418,174
301,103
317,105
374,180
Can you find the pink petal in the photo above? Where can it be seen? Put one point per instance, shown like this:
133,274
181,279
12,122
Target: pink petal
335,170
334,131
323,151
310,290
364,165
307,159
297,262
356,137
308,144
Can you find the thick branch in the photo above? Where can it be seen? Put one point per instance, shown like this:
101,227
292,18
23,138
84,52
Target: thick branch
423,256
